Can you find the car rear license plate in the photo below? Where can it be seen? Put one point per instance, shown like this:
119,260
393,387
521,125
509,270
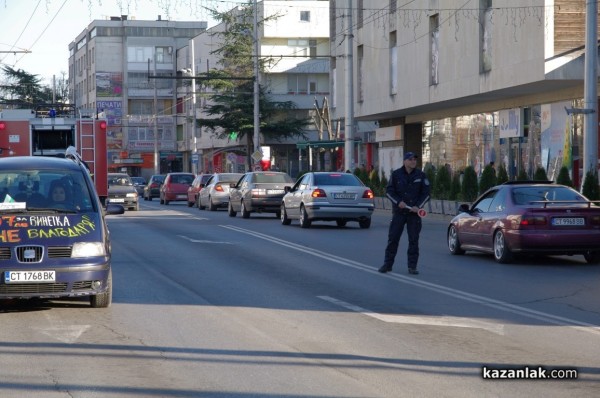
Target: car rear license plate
29,276
181,196
568,221
275,191
344,196
117,200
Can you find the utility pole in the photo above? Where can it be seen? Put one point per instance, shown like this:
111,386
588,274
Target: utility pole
256,84
349,129
155,117
590,144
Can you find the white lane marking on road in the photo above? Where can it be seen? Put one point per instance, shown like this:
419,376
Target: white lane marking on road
448,321
66,334
203,241
474,298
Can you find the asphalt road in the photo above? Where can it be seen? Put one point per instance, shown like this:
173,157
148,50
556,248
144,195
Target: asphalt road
206,305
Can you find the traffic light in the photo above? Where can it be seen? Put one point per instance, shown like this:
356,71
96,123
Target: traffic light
233,135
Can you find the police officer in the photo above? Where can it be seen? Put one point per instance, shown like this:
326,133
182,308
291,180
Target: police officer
408,189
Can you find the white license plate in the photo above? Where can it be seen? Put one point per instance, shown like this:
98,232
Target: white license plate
182,196
568,221
344,196
275,191
117,200
29,276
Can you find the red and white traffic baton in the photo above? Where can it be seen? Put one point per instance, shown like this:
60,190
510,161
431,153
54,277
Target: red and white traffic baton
422,212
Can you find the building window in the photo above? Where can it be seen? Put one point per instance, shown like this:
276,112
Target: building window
393,64
359,72
164,55
297,84
305,16
393,6
312,48
434,28
359,14
299,47
486,36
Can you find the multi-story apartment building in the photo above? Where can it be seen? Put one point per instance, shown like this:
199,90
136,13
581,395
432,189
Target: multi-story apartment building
123,69
464,83
295,34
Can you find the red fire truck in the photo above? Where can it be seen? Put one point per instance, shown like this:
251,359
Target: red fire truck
49,129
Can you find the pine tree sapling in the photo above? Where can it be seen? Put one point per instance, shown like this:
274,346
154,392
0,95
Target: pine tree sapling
590,187
442,183
469,185
488,179
502,175
563,177
455,187
430,173
522,175
540,174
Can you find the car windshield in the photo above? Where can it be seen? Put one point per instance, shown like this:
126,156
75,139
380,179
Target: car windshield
533,195
271,178
138,180
337,179
58,190
182,179
122,180
229,177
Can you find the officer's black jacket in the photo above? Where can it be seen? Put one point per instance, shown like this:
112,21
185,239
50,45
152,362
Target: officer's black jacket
412,189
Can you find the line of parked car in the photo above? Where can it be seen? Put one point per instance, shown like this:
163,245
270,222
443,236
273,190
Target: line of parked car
315,196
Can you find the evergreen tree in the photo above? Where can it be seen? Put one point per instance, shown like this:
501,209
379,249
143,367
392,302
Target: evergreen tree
488,179
563,177
590,187
522,176
430,173
502,176
231,109
23,90
469,185
383,184
442,183
540,174
455,187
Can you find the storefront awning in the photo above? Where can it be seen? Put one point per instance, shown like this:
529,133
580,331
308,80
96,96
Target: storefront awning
324,144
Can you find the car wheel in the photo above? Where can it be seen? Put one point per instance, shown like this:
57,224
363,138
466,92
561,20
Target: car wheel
304,221
243,211
190,204
103,300
365,224
230,210
502,253
149,198
453,242
284,217
166,201
341,223
199,202
592,257
211,205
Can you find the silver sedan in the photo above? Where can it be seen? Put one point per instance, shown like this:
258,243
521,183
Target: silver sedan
216,192
328,196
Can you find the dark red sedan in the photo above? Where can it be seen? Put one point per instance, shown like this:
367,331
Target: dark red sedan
528,217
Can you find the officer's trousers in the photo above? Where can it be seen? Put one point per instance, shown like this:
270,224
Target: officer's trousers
413,228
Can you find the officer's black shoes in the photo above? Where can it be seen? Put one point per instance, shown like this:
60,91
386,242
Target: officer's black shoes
384,269
413,271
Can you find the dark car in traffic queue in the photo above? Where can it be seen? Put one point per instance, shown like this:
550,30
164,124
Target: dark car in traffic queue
258,192
175,187
528,217
328,196
152,188
139,183
50,248
121,191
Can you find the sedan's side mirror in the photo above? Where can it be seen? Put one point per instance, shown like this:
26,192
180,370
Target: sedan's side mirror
232,185
463,208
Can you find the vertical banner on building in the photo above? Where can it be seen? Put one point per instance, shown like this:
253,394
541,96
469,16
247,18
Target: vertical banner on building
555,125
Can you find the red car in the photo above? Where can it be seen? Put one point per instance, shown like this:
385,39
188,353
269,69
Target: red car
175,187
528,217
194,189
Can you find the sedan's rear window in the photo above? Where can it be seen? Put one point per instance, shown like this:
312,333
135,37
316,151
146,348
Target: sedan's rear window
272,178
535,195
345,179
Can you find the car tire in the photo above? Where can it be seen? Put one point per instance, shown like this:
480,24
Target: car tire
502,253
190,204
284,217
453,242
166,202
304,221
211,205
230,211
592,257
341,223
103,300
365,224
149,198
243,211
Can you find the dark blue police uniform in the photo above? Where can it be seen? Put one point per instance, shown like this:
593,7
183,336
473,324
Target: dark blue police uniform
412,189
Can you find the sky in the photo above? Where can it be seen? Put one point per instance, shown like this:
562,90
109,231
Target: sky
46,27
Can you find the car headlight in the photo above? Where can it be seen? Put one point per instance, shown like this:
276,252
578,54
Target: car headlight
132,195
88,249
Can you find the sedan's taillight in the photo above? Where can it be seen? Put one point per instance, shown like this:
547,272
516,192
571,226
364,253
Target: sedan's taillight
532,220
368,194
318,193
595,220
219,188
